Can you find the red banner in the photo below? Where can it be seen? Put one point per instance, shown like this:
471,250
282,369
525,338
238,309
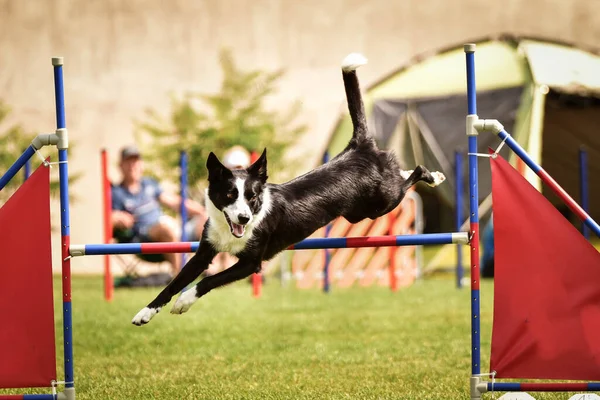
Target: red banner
546,290
27,338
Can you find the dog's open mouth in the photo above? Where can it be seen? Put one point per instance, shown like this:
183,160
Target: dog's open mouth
237,230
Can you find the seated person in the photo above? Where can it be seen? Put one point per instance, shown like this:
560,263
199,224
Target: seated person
136,209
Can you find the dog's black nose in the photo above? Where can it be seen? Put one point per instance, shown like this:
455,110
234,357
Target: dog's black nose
243,219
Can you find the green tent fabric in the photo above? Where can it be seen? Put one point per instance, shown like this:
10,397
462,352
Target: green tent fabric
546,94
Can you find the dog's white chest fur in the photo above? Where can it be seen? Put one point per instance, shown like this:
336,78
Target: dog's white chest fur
219,234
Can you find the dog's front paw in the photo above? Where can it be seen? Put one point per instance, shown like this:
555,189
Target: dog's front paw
184,302
438,178
144,316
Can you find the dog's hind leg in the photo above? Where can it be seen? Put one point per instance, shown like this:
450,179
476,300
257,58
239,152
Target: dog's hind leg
194,267
240,270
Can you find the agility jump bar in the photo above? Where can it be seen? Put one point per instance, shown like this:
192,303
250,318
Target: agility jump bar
543,387
314,243
28,397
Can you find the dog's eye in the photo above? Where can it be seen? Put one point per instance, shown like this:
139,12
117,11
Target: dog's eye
230,195
250,195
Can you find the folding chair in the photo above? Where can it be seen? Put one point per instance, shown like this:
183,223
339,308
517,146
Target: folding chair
130,265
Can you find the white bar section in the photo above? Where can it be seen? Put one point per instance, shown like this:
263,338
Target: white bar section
460,237
77,250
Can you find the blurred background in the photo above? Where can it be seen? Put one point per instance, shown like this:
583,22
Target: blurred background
206,75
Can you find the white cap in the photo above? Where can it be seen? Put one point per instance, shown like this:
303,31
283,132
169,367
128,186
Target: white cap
236,157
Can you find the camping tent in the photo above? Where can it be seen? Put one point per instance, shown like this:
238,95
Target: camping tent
546,94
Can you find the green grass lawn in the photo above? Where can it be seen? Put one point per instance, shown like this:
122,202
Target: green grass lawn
358,343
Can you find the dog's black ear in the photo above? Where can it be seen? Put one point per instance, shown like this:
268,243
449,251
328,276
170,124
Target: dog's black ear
259,168
216,170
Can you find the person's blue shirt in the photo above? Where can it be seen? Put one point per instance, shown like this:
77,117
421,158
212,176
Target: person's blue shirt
143,205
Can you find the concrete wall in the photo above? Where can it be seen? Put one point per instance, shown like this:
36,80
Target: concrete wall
121,57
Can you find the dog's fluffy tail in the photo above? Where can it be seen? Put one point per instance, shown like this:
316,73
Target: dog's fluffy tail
354,97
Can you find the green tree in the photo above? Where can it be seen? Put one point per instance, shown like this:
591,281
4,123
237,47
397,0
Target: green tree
13,142
237,115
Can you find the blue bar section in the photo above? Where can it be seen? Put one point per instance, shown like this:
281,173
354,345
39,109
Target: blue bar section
68,342
475,332
504,386
39,397
473,181
458,168
326,281
593,386
423,239
63,173
583,189
59,97
117,248
516,147
12,171
183,161
593,225
27,170
321,243
471,98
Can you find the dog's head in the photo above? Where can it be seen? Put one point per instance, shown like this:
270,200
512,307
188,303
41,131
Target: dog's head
237,193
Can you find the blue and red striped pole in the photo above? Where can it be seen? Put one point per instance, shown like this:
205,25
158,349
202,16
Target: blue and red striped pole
474,212
28,397
552,184
63,171
544,387
306,244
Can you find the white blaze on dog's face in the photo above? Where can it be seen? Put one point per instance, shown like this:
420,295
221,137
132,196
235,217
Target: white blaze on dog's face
238,194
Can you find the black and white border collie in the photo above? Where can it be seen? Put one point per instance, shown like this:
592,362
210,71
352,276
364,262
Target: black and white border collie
254,220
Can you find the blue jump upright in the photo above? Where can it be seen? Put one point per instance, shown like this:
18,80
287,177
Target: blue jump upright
474,212
63,171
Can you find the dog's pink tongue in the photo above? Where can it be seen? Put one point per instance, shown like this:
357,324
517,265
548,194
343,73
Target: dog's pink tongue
238,230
